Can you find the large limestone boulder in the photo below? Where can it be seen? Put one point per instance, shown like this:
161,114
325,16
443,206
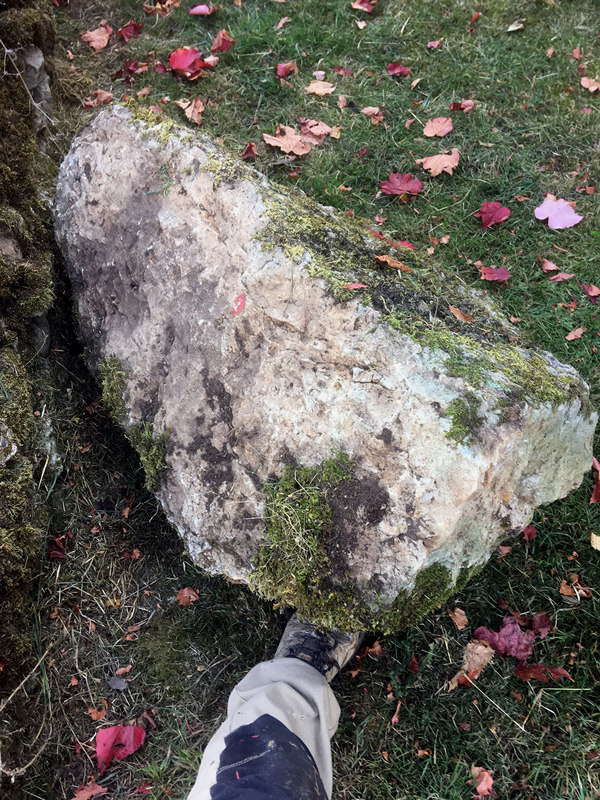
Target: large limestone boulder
357,454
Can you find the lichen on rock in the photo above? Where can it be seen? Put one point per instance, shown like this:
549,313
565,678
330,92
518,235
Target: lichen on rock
225,310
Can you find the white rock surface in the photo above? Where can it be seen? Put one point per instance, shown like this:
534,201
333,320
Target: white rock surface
160,241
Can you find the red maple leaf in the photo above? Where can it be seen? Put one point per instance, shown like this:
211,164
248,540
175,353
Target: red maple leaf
400,184
222,42
541,624
182,59
491,213
528,671
529,533
494,273
56,548
117,742
592,292
509,640
240,305
285,67
396,68
249,151
130,30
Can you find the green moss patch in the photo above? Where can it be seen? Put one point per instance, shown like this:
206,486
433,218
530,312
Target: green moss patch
151,450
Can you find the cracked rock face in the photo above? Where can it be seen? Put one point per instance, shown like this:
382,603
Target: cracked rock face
231,343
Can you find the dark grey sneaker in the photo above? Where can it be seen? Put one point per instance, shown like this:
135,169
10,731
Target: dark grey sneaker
326,651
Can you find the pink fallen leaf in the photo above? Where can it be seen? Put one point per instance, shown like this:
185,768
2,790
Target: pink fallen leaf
536,671
444,162
283,21
363,5
343,71
98,38
529,533
360,24
438,126
378,235
435,44
465,106
373,113
559,213
116,743
509,640
595,498
288,141
492,213
284,68
313,130
222,42
320,88
342,102
494,273
591,84
238,307
354,286
98,98
249,151
202,10
482,778
319,74
407,125
591,291
396,68
561,276
541,624
396,718
577,333
549,266
401,184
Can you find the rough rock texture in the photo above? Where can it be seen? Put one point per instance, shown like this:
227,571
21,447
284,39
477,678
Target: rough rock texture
447,435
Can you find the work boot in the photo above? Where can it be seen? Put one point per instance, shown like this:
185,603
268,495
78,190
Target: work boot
327,652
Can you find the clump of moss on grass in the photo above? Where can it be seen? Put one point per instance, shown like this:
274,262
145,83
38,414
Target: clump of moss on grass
151,450
112,377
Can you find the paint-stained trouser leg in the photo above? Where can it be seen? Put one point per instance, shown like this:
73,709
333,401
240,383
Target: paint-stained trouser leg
275,742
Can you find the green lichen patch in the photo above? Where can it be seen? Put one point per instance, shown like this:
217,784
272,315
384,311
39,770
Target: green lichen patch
112,377
151,450
463,413
16,409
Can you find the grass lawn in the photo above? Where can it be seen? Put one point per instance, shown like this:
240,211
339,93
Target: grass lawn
533,129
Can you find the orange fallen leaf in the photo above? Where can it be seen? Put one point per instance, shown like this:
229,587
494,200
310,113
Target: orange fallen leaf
459,618
342,102
460,315
187,596
287,140
249,151
373,113
439,126
444,162
392,262
577,333
98,98
97,713
124,670
590,83
320,88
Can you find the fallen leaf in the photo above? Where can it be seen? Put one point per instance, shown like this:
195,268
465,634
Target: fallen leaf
203,10
528,671
529,533
335,132
503,550
559,213
130,30
373,113
492,213
482,778
343,71
460,315
509,640
549,266
421,753
285,68
342,102
392,262
117,742
56,547
360,24
590,83
591,291
192,109
98,98
541,624
522,198
145,787
91,790
494,273
283,21
319,74
465,106
385,755
98,38
407,125
550,52
594,541
401,184
320,88
96,713
567,590
161,9
378,235
518,25
396,68
74,681
222,42
577,333
439,126
444,162
459,618
313,130
143,92
396,718
416,82
249,151
287,140
562,276
124,670
354,286
435,44
363,5
187,596
595,498
576,54
188,63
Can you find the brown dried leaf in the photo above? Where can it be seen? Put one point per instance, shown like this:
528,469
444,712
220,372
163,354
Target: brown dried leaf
459,618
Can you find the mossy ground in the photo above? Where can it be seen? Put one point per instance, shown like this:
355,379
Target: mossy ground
540,740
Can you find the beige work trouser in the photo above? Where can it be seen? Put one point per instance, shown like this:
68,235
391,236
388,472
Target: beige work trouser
291,691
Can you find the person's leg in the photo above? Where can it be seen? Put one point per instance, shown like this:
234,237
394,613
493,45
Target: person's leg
275,742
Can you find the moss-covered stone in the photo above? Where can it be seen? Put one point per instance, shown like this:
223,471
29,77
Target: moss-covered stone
463,413
151,450
112,378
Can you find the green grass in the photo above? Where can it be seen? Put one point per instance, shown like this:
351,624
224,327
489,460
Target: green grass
535,737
